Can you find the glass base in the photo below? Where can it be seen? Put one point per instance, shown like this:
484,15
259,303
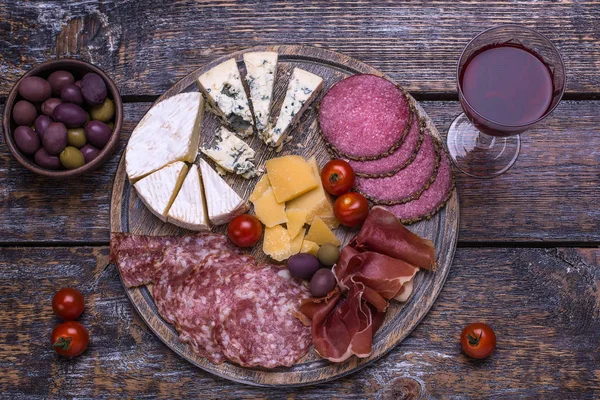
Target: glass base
480,155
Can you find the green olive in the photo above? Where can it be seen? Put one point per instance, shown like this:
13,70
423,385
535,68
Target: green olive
105,111
111,125
76,137
328,254
71,158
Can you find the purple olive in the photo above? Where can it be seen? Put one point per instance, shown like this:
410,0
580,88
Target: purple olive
71,94
26,139
303,265
41,124
70,114
97,133
89,152
93,88
24,113
58,79
34,88
55,138
49,105
45,160
322,282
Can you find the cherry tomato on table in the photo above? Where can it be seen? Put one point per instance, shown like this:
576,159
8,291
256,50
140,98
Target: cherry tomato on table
68,303
70,338
478,340
351,209
337,177
245,230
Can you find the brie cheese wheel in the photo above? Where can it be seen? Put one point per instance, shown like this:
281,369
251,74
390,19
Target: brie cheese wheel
232,154
188,210
158,190
302,89
261,70
169,132
223,88
222,202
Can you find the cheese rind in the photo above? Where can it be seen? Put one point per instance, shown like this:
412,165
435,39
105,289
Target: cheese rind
159,189
321,234
277,243
295,221
290,176
188,210
309,247
302,89
232,154
169,132
223,88
296,243
261,187
261,70
269,211
222,202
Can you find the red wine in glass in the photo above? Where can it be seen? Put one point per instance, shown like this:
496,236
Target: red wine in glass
509,78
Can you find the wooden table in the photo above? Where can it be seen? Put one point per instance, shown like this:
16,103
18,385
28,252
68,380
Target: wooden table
528,261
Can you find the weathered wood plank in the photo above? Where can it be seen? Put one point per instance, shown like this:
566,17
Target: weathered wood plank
547,196
148,45
543,303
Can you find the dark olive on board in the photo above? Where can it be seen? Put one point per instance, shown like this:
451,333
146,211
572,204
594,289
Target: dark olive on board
26,139
303,265
322,282
24,113
34,88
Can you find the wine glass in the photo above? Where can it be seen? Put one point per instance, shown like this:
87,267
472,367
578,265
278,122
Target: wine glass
509,78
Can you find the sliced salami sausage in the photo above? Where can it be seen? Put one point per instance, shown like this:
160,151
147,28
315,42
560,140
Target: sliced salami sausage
408,183
364,117
399,159
255,322
431,200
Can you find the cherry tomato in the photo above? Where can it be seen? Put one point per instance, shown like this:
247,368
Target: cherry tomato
351,209
478,340
70,338
245,230
337,177
68,303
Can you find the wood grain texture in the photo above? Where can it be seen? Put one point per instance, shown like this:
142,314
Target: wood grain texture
129,214
148,45
543,303
548,196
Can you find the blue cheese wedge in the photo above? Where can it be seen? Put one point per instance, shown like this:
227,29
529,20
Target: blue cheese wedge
302,89
223,88
158,190
188,210
232,154
261,70
169,132
222,202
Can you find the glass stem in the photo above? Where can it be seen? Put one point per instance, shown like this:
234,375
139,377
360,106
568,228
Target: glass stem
485,141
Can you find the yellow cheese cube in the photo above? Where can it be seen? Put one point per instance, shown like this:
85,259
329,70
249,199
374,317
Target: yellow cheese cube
269,211
309,247
296,243
295,221
260,188
321,234
290,176
277,243
316,202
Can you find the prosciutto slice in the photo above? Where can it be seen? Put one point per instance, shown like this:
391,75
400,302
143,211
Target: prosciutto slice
382,232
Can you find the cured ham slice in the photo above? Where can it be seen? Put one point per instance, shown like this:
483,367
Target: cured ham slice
383,233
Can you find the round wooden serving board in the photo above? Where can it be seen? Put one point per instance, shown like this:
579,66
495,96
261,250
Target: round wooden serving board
128,214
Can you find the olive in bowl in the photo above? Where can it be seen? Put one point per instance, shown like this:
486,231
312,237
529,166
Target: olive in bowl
63,97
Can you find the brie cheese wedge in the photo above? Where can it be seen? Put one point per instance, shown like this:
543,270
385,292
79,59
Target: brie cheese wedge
261,70
223,88
188,210
302,89
169,132
222,202
232,154
158,190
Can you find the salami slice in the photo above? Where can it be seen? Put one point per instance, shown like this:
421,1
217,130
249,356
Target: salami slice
255,318
408,183
364,117
399,159
194,317
431,200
